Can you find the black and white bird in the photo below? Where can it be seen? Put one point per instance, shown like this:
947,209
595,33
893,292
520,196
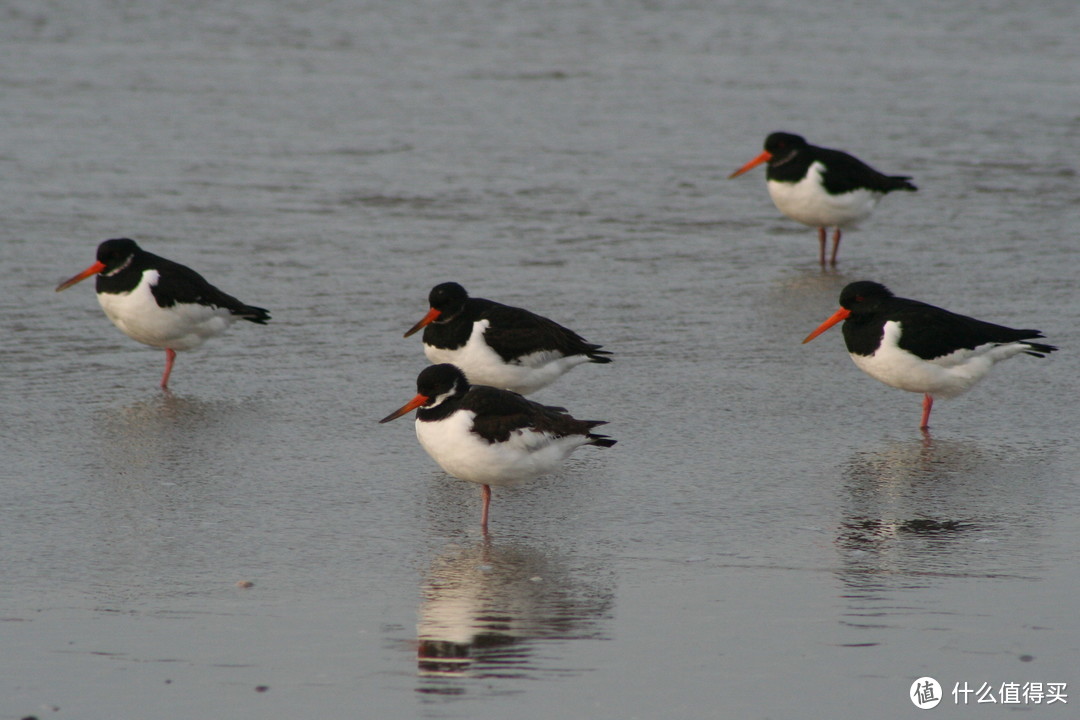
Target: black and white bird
499,345
921,348
820,187
491,436
159,302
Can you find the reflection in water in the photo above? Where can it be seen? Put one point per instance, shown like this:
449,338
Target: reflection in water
156,489
897,511
171,436
922,510
485,608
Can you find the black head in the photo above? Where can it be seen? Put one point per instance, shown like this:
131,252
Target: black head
115,253
783,141
446,300
863,295
780,147
441,380
782,144
114,257
859,300
434,385
447,297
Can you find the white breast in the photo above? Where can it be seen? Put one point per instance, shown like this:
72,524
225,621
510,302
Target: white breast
946,376
807,201
484,366
183,326
523,456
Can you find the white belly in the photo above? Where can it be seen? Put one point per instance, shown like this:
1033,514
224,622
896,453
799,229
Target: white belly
807,202
181,327
944,377
484,366
525,455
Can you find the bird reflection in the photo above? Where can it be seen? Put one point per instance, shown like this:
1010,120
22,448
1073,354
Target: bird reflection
164,458
170,432
918,510
900,490
485,607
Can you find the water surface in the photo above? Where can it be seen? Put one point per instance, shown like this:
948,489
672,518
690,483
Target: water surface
772,537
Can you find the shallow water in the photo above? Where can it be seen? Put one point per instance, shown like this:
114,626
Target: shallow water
772,536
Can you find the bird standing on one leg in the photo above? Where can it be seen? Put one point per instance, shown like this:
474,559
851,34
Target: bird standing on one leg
491,436
159,302
921,348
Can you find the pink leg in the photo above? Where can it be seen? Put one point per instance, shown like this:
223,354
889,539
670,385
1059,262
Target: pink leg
485,495
170,357
927,403
821,232
835,247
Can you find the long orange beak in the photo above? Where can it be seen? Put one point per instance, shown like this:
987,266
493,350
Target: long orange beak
407,407
431,316
841,314
92,270
763,157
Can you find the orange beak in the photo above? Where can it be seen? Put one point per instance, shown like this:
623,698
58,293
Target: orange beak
841,314
407,407
92,270
431,316
763,157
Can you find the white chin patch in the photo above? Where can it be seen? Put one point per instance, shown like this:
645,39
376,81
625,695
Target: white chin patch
120,267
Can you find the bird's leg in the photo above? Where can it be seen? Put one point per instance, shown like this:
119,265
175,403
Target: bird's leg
170,357
927,403
835,247
821,232
485,496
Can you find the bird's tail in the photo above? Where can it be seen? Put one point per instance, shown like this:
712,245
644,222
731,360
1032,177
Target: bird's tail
901,182
596,355
253,314
1039,349
596,438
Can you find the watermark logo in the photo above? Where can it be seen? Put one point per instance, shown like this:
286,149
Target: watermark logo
925,693
1011,693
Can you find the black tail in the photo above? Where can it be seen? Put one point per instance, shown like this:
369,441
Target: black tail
1038,349
596,438
253,314
596,355
901,182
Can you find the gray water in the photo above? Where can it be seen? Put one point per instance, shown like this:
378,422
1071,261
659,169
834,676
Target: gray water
771,538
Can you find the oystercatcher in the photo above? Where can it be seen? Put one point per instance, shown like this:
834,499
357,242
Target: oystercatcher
820,187
159,302
498,345
491,436
917,347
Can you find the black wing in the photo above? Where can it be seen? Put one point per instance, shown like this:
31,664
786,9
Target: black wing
514,332
501,412
931,332
180,284
847,173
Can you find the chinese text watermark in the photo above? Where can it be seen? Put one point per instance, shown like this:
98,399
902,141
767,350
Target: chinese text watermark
926,693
